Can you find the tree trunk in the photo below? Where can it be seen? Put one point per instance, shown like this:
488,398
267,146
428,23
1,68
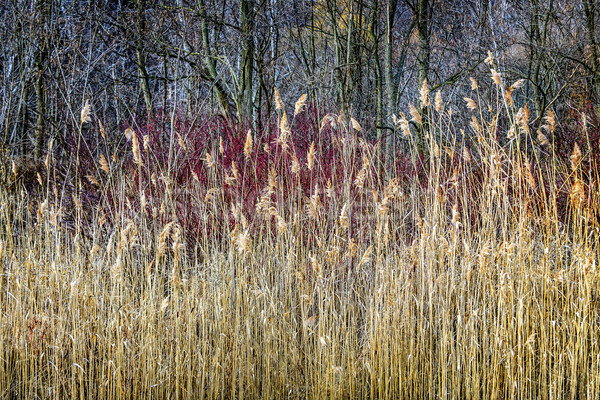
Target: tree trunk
338,51
348,75
209,62
590,14
424,47
41,110
537,44
41,56
378,73
245,92
141,57
423,55
390,83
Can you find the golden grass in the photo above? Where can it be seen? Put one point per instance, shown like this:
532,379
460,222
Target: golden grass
456,288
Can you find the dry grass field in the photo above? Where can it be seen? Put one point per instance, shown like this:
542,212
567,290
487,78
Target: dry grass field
307,267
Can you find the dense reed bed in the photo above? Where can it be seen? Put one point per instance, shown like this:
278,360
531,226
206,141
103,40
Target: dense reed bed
299,262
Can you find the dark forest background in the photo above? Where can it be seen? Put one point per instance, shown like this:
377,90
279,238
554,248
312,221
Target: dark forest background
135,59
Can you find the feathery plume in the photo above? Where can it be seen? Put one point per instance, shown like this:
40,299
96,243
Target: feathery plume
355,125
263,205
209,160
230,180
416,116
344,221
549,121
210,194
281,225
295,165
50,145
362,174
439,105
42,208
467,155
528,175
542,139
496,77
163,237
577,194
575,156
314,204
300,104
104,164
86,113
522,118
310,323
102,131
248,145
177,247
129,133
329,190
518,84
91,179
456,217
512,132
323,123
243,242
272,179
393,189
284,131
508,95
165,304
311,156
77,203
424,94
471,105
180,141
404,126
278,103
135,148
474,85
